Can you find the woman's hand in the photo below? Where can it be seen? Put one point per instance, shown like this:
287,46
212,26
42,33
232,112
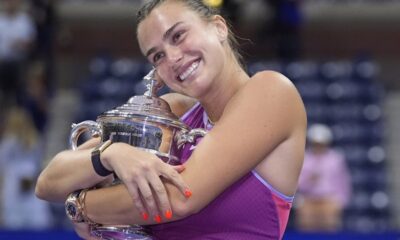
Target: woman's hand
143,174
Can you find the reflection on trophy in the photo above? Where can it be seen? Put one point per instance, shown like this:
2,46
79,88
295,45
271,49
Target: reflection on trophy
145,122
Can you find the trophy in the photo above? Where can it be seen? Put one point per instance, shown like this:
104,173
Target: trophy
146,122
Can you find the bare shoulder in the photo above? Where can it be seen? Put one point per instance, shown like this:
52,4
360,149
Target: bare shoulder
271,81
270,89
179,103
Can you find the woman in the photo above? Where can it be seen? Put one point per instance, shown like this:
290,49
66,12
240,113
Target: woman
20,154
321,203
242,174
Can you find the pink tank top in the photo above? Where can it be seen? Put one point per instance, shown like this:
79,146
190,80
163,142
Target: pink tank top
249,209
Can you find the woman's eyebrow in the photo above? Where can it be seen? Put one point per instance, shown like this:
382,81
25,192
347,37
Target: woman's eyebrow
165,36
169,31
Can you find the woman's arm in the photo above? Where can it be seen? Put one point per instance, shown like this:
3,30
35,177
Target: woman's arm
266,114
68,171
71,170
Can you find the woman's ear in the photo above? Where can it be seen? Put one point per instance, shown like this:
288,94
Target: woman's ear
221,27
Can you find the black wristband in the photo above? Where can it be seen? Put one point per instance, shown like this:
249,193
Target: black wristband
96,162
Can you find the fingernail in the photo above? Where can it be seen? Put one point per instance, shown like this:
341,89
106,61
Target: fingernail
181,167
145,216
168,214
188,193
157,218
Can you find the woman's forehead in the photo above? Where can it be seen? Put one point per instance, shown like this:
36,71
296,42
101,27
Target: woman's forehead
167,14
161,19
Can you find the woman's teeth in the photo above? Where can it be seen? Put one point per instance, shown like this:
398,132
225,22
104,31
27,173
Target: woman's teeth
188,71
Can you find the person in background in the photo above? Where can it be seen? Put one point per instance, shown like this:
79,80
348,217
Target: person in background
324,185
239,180
45,16
20,155
17,36
35,98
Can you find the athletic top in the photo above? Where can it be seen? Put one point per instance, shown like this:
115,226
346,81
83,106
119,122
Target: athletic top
249,209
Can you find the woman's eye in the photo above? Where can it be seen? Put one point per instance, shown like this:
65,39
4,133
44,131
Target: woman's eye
177,36
157,57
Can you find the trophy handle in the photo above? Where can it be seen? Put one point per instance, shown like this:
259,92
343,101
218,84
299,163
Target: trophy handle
79,128
189,137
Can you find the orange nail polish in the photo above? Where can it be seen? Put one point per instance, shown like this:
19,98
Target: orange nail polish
168,214
188,193
145,216
157,218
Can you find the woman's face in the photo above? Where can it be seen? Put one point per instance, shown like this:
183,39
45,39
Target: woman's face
187,51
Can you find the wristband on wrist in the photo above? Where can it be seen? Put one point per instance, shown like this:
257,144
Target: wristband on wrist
75,207
96,162
81,200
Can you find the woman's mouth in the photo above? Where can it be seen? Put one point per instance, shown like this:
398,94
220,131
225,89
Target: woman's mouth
188,71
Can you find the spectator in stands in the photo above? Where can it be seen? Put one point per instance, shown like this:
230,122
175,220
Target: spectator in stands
20,155
35,97
17,35
324,185
46,21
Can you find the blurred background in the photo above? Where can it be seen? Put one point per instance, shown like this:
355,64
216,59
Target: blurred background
65,61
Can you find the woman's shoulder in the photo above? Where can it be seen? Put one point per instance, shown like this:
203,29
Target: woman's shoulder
269,94
271,79
268,86
179,103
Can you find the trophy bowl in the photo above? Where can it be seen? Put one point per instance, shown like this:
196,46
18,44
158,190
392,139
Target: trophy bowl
145,122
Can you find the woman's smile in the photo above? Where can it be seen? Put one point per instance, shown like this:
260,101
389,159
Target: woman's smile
188,70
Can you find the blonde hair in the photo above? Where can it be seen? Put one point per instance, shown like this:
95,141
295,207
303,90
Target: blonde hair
19,124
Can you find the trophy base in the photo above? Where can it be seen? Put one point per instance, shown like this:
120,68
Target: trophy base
125,232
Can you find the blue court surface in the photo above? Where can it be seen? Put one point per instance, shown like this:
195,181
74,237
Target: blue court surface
290,235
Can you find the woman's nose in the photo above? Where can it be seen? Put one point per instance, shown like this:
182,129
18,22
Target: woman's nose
174,54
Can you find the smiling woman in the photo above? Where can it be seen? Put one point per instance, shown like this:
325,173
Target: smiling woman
239,180
188,43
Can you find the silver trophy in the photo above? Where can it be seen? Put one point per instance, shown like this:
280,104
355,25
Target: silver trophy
147,123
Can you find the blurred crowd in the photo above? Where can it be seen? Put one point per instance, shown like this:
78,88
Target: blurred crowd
27,85
26,59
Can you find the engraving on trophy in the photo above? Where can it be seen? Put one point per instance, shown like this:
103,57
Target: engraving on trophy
138,135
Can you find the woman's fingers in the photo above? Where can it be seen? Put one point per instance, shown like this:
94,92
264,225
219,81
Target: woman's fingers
172,175
133,190
89,143
143,175
179,168
161,195
149,199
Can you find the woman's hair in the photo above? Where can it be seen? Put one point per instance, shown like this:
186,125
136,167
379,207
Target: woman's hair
206,12
19,124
